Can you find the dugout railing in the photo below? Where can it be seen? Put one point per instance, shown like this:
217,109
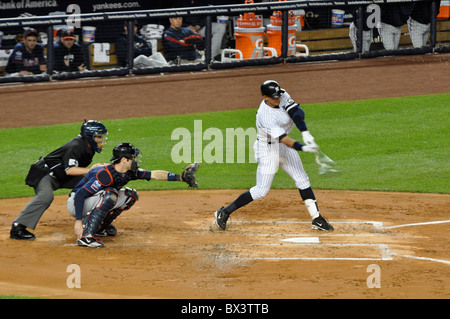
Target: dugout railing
320,37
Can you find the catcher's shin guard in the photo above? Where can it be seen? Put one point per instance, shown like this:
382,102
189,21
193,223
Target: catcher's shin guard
95,217
132,195
106,229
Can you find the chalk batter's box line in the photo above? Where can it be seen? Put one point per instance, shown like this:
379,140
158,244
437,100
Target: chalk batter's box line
378,226
373,223
385,253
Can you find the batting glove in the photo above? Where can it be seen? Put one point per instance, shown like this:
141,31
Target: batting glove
310,148
308,138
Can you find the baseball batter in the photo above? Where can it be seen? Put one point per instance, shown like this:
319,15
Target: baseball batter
102,196
275,118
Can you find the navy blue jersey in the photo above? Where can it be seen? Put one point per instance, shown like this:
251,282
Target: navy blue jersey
181,43
23,60
100,178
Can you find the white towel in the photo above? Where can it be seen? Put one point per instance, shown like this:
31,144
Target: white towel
101,52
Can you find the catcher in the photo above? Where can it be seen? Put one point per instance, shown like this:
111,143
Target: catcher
101,197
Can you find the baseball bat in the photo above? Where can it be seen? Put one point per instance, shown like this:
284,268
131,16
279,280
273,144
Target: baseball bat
325,163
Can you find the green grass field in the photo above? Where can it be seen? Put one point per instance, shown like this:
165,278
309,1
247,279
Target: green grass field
392,144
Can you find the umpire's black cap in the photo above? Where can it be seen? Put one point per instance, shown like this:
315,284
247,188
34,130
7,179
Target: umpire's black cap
271,89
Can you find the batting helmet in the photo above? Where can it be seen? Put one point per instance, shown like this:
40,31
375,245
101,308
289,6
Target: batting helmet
89,130
271,89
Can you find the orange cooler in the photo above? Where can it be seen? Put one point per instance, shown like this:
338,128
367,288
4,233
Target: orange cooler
250,41
274,32
444,11
249,34
274,38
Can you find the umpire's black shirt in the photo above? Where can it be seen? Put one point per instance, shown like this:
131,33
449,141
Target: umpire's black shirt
76,152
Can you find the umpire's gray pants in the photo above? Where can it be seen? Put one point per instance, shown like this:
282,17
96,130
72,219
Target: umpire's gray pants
33,211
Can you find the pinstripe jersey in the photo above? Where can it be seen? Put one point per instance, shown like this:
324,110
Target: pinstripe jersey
271,123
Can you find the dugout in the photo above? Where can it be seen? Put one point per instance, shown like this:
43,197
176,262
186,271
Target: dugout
324,40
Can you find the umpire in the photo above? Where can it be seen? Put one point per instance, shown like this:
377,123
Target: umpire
64,168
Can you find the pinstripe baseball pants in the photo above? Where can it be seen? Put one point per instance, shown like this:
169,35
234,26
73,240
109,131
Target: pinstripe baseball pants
269,158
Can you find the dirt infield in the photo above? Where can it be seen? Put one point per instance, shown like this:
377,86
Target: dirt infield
385,245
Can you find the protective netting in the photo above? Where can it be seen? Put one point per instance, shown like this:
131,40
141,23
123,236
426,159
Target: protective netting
167,35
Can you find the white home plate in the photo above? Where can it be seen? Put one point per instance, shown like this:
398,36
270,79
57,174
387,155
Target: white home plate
303,240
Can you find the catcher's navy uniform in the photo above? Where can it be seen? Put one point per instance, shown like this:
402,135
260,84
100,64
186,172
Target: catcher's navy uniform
101,196
99,181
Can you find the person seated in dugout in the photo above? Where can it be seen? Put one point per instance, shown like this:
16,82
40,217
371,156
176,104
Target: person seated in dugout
141,46
68,54
180,43
27,57
198,23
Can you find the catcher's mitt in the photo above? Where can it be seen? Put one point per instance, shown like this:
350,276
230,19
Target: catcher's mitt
188,175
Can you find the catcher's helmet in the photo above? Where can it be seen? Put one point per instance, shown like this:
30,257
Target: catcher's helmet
124,150
89,130
271,89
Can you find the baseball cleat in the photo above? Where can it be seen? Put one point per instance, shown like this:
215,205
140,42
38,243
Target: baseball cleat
221,219
321,224
19,231
90,241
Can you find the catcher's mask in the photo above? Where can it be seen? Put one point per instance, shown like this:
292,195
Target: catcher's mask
91,129
128,151
271,89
